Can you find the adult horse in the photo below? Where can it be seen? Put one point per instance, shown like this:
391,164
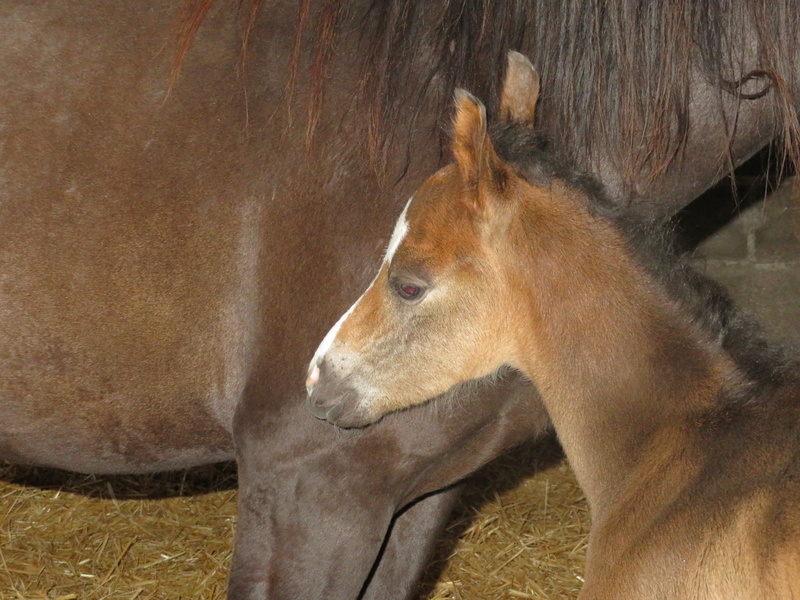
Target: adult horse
169,260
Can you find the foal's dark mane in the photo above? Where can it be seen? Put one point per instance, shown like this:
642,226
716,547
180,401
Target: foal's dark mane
655,245
616,72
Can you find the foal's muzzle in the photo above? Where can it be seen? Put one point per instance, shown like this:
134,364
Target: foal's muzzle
332,399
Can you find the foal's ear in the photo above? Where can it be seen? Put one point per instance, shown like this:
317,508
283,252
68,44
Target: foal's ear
520,90
476,158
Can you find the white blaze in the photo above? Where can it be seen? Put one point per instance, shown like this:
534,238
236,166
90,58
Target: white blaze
327,342
400,231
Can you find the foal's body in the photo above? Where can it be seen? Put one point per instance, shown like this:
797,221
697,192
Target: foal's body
684,440
708,510
690,467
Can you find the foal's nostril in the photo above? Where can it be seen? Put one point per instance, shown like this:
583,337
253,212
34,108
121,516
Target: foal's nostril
330,396
317,407
335,412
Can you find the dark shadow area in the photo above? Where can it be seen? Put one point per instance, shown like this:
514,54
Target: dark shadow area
750,184
189,482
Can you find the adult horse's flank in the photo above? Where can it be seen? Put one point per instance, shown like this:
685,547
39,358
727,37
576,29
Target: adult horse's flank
689,454
172,249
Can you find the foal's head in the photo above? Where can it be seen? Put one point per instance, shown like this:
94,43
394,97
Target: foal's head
443,307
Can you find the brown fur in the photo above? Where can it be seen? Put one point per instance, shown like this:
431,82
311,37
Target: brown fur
634,86
693,486
172,249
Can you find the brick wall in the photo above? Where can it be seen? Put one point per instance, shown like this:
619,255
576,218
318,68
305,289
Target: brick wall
756,253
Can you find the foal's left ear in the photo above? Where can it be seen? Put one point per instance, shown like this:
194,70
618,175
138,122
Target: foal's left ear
480,166
520,90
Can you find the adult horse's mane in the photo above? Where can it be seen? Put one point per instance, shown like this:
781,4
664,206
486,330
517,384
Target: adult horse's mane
614,71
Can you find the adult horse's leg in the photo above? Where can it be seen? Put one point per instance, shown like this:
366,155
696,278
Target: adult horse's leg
309,526
410,545
315,508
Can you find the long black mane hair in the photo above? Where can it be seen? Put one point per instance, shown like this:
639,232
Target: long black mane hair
617,72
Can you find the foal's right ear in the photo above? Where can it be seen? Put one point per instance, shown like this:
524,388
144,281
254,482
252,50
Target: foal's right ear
476,158
520,90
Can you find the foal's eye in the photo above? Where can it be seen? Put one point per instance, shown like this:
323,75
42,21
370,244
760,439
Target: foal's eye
408,291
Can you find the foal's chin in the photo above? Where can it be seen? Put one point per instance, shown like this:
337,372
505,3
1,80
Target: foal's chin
347,410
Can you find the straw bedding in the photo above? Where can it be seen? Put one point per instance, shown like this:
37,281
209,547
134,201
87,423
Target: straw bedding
520,532
78,537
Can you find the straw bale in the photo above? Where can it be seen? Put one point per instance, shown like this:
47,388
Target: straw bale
170,536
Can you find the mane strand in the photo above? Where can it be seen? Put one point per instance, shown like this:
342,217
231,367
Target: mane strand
617,72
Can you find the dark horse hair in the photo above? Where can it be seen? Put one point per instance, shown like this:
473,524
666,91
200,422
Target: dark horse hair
615,71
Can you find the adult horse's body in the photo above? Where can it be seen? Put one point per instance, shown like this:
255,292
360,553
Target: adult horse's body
168,263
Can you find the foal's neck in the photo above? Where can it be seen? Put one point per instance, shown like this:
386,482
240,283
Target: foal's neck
615,359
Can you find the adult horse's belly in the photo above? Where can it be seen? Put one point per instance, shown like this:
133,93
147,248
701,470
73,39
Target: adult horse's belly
122,338
127,299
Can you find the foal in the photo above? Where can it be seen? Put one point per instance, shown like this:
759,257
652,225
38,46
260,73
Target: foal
686,449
